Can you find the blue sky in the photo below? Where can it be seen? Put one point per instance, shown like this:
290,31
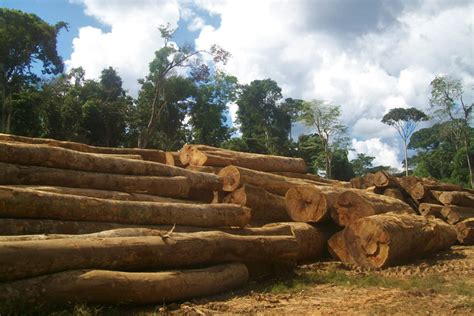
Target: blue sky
367,56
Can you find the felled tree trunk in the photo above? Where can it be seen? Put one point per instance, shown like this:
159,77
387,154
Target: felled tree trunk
234,177
21,259
94,286
388,239
266,207
465,230
147,154
24,203
383,179
135,157
455,198
421,190
394,193
363,182
454,214
311,203
172,159
338,249
207,169
429,209
353,205
314,178
45,156
177,187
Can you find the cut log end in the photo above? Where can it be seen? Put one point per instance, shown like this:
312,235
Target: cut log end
231,178
306,204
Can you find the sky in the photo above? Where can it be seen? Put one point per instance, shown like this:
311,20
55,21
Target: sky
367,56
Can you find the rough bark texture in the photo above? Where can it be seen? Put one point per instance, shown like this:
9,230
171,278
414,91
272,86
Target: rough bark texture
266,207
234,177
177,187
394,193
21,259
389,239
455,198
421,190
207,169
135,157
353,205
429,209
45,156
311,203
465,230
24,203
454,214
147,154
113,287
338,250
314,178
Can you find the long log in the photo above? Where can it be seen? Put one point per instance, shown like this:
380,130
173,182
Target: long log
234,177
454,214
185,152
429,209
354,204
421,190
55,157
455,198
147,154
338,249
24,203
310,203
465,231
266,207
207,169
177,187
126,156
253,161
113,287
388,239
22,259
314,178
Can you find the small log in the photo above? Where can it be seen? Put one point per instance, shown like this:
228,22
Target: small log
311,203
394,193
455,198
253,161
429,209
421,190
266,207
113,287
24,203
354,204
454,214
465,231
22,259
147,154
388,239
338,249
176,187
234,177
55,157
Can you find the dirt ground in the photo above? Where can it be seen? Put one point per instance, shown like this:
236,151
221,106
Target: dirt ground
440,285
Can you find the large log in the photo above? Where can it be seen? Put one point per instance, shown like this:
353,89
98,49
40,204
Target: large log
147,154
388,239
207,169
22,259
172,159
135,157
454,214
362,182
310,203
395,193
185,152
354,204
45,156
177,187
455,198
465,231
24,203
268,163
234,177
338,249
314,178
421,190
113,287
383,179
266,207
429,209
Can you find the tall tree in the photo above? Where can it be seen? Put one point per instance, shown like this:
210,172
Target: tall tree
325,119
362,164
292,108
24,40
404,121
447,99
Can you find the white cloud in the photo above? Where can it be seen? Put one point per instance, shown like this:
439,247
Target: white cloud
385,155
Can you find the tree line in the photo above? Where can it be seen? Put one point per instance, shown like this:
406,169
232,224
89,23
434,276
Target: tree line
184,98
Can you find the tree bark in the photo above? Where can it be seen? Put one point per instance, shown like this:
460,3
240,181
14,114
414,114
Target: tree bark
421,190
314,178
147,154
23,203
353,205
234,177
207,169
454,214
22,259
176,187
45,156
465,231
94,286
394,193
362,182
311,203
266,207
429,209
455,198
383,179
338,249
389,239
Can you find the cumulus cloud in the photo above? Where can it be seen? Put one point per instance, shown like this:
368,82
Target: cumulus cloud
385,155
